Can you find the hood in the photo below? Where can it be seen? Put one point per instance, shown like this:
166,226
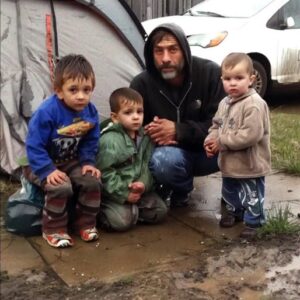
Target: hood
192,25
179,34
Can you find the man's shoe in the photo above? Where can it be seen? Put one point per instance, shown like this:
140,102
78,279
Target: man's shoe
179,200
164,193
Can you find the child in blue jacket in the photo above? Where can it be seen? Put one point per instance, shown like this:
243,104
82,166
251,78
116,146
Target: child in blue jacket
61,147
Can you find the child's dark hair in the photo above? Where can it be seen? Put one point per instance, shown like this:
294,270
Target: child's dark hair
232,59
73,66
123,95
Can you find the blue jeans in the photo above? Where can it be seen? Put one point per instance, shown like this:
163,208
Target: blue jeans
176,168
244,199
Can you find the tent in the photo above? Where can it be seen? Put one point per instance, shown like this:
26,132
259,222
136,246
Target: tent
34,33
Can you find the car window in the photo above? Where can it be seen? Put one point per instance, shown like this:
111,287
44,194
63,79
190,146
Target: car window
287,17
228,8
292,9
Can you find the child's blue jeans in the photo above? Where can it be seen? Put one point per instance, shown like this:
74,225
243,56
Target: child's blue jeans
244,199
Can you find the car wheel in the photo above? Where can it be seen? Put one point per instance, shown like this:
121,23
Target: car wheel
261,82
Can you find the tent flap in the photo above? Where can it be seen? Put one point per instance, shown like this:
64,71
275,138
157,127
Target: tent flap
103,31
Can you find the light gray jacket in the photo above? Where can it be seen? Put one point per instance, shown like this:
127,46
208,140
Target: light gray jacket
242,127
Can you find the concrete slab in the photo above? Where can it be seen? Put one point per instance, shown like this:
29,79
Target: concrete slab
122,254
17,255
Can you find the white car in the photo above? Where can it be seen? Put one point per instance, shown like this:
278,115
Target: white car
267,30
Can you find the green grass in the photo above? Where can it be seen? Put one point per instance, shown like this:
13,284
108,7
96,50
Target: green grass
285,142
280,221
125,281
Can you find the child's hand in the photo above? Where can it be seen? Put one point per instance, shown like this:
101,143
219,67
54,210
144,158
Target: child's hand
211,147
57,177
137,187
94,171
133,197
208,152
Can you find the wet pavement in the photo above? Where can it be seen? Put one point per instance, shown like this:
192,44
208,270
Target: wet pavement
118,255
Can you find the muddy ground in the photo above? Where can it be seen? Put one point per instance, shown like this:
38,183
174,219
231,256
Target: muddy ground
228,269
268,269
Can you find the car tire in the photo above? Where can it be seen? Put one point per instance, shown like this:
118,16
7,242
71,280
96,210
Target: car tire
261,82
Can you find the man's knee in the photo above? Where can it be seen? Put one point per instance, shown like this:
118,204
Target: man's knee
165,161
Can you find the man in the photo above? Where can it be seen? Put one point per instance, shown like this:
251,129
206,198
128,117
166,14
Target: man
181,94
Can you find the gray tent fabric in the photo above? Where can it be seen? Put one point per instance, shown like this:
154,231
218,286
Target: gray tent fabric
103,31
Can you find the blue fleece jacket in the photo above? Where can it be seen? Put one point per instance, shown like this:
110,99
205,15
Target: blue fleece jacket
58,134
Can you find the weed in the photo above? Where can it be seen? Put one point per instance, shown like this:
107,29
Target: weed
125,281
280,221
270,297
3,276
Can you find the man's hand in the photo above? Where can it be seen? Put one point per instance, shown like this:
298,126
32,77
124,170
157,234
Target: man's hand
162,131
94,171
57,177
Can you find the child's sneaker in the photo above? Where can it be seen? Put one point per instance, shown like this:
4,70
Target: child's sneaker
89,234
58,240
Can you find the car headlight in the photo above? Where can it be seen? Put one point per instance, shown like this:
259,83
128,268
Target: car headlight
207,40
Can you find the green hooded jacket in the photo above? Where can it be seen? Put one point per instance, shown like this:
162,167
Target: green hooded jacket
122,161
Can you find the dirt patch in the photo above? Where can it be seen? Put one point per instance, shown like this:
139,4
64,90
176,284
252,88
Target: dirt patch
268,269
227,270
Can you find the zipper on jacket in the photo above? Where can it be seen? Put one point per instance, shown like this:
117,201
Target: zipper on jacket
227,113
181,102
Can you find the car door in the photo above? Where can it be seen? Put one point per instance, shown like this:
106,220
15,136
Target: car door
287,22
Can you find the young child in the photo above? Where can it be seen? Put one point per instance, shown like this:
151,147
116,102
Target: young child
123,159
241,134
61,146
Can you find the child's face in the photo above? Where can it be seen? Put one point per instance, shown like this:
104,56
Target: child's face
237,80
76,93
130,116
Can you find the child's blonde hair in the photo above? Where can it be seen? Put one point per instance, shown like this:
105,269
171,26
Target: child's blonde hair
232,59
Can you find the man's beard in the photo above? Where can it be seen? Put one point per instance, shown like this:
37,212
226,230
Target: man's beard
171,75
